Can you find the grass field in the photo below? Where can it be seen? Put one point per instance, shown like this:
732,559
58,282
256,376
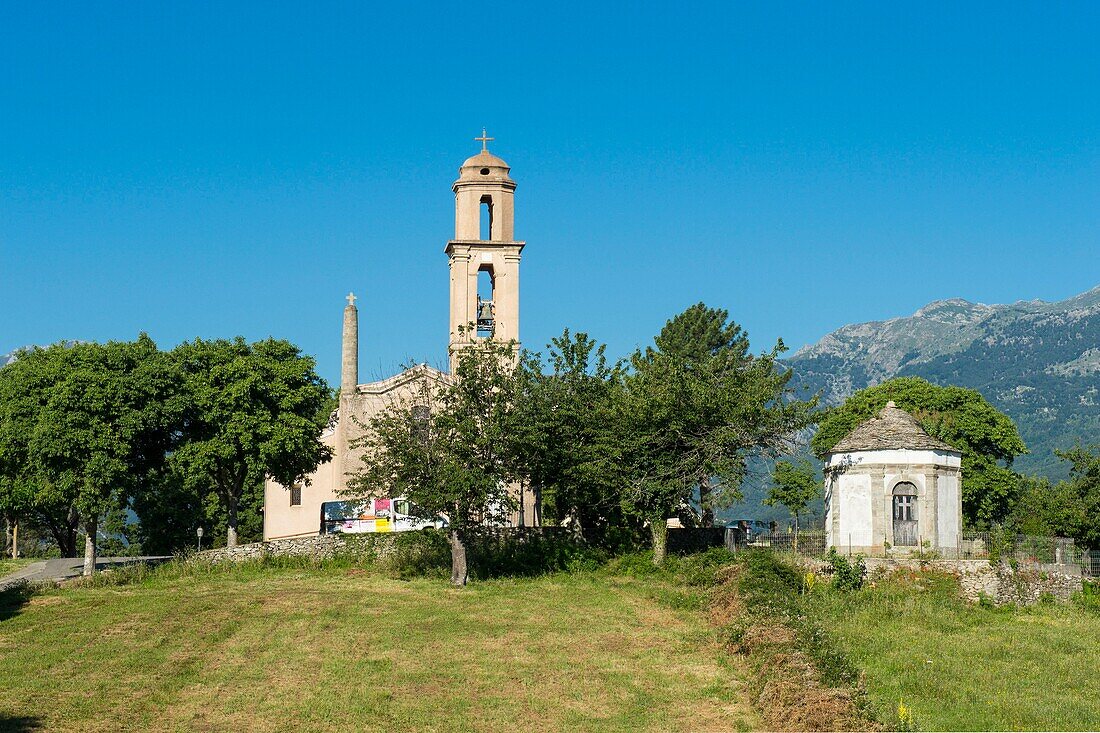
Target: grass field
7,565
967,668
268,649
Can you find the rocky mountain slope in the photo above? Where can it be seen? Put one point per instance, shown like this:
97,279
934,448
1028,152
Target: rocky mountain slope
1039,362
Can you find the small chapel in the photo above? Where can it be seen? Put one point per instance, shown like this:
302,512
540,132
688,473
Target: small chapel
889,485
484,248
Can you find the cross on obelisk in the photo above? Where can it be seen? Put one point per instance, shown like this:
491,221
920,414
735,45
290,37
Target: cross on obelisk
484,140
351,298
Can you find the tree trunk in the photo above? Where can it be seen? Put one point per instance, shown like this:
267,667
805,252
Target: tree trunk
231,523
15,540
796,531
64,530
89,547
459,569
706,511
659,530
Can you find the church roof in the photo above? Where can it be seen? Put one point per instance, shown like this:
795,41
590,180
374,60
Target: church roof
891,429
413,373
484,159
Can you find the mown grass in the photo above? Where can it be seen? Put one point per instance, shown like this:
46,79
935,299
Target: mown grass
8,565
960,667
260,648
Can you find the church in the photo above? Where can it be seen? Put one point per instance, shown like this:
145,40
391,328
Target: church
484,251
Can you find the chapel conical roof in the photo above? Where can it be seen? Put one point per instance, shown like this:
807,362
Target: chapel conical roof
891,429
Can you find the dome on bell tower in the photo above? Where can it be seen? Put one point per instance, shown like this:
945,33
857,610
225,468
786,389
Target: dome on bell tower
484,166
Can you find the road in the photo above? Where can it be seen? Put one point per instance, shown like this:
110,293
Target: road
69,567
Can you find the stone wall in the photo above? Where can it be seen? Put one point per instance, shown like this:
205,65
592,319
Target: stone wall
376,545
1002,584
1023,585
317,547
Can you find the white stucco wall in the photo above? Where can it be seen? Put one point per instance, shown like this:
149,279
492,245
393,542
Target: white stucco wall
950,511
854,510
902,457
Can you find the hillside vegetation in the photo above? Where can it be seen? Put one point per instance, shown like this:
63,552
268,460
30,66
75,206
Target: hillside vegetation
1038,362
343,649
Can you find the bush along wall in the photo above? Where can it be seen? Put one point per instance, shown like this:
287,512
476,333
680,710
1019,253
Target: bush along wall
493,552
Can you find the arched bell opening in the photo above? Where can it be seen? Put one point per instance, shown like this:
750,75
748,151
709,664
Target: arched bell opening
486,307
486,218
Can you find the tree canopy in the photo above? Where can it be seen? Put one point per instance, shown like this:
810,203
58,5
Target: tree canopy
794,486
695,407
445,449
89,423
562,434
1069,508
963,418
252,411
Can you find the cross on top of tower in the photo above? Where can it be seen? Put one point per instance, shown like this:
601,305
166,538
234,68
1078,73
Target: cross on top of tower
351,298
484,140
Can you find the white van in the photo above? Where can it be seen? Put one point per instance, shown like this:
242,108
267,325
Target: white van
360,516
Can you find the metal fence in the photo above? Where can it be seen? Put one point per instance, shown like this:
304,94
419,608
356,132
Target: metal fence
1090,563
808,542
970,546
1019,547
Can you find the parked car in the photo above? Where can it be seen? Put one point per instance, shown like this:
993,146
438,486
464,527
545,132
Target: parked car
751,527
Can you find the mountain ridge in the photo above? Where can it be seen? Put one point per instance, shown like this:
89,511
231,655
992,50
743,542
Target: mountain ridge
1035,360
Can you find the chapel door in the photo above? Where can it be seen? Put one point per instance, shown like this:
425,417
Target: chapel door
905,515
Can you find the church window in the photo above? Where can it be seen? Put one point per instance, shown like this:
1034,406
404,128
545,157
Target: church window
296,495
484,171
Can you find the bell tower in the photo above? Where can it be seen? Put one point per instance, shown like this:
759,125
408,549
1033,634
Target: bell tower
484,254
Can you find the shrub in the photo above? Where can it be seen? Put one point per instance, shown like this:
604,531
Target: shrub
847,575
1089,596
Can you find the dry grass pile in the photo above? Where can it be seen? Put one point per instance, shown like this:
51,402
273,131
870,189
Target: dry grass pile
798,684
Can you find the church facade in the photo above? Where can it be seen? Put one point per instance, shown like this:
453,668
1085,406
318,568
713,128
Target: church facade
484,259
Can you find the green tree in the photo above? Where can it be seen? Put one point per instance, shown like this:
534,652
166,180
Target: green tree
1047,509
25,388
987,438
794,486
694,409
253,411
445,448
1084,483
100,419
562,433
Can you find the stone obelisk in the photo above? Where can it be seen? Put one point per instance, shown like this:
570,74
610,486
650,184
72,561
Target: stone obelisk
349,362
349,380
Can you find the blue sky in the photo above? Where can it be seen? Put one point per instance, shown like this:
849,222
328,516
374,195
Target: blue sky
214,169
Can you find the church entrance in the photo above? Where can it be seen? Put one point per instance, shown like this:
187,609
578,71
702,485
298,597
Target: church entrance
905,515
